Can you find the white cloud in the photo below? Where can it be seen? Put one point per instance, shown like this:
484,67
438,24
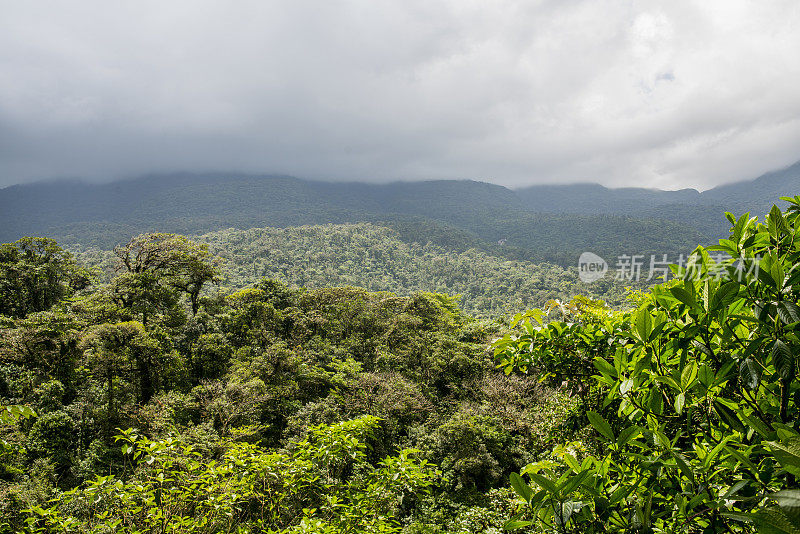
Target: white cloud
668,94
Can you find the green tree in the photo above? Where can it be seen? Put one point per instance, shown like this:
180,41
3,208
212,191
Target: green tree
157,268
115,349
36,273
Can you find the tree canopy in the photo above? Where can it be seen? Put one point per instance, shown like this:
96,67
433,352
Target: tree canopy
36,273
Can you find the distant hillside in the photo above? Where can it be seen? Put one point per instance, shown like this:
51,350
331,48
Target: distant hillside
375,258
195,204
540,223
756,196
597,199
438,212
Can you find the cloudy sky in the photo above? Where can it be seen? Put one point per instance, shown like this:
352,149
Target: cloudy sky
664,94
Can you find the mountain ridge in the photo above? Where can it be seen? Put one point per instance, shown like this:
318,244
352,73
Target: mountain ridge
544,222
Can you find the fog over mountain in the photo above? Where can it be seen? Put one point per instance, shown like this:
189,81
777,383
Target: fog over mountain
655,94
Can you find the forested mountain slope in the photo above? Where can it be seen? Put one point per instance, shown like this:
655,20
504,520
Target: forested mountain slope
200,203
107,215
756,196
589,198
540,223
376,258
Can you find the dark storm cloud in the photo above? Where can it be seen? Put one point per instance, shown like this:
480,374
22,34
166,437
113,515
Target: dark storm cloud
665,94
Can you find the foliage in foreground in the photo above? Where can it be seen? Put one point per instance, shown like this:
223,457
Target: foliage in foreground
696,394
323,484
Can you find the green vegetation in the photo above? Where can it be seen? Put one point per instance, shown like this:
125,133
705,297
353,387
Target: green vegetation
174,489
35,274
695,398
164,408
530,226
159,401
377,259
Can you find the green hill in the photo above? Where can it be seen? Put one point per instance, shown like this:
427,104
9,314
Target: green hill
377,259
552,223
484,214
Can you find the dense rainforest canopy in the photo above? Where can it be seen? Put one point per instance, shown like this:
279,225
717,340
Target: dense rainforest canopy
382,259
157,400
334,402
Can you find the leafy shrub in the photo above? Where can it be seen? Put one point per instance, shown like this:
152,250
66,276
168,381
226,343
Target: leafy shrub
323,484
697,427
52,436
473,451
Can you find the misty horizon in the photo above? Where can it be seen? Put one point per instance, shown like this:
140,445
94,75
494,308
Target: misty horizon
267,175
668,96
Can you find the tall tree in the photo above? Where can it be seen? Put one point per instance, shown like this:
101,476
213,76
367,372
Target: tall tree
156,268
36,273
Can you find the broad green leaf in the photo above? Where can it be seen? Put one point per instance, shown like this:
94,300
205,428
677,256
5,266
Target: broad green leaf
726,245
544,483
680,400
563,511
683,466
789,501
787,453
733,490
774,521
572,483
778,274
605,368
520,487
656,401
622,492
749,373
728,416
668,380
724,295
788,312
706,375
599,423
513,524
644,324
764,274
755,423
725,373
688,375
660,439
620,360
785,432
685,297
782,359
738,229
703,347
628,434
766,520
709,459
775,220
